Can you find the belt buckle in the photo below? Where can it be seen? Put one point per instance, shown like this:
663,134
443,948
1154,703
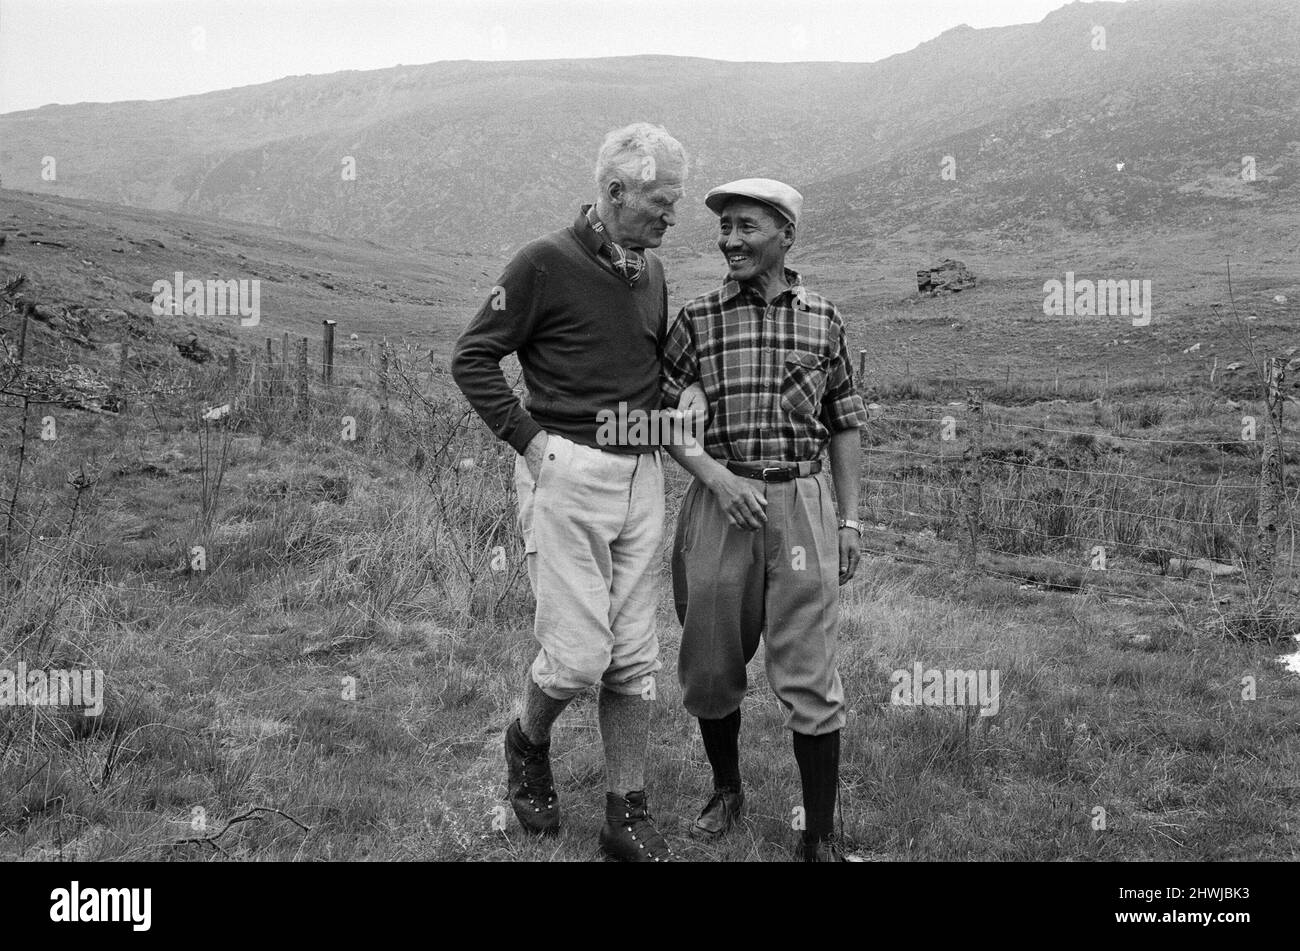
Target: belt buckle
767,469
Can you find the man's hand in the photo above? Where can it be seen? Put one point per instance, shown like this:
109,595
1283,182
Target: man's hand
739,498
689,419
533,453
850,553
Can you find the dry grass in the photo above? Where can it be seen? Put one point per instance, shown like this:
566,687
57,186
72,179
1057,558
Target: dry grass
350,655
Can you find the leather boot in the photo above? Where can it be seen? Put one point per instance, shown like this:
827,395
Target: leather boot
530,785
720,814
629,833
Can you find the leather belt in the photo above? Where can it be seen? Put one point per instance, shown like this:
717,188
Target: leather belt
782,473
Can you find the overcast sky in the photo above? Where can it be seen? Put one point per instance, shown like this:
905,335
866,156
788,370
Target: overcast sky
105,50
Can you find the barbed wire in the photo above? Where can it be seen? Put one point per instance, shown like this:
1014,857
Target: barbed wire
410,386
1055,504
1126,475
994,423
1113,435
990,528
1021,580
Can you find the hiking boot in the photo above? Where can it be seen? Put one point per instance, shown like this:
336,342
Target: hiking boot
720,814
530,785
629,833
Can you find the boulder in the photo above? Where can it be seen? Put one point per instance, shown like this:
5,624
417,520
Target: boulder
1212,568
948,276
61,320
106,315
191,349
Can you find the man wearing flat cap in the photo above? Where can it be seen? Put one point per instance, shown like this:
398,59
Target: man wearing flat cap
759,549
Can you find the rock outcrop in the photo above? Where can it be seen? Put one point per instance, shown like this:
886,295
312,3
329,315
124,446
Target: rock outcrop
948,276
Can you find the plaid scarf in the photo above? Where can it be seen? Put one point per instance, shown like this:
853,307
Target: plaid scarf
626,263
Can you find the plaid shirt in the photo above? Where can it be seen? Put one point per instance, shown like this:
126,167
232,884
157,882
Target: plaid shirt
778,376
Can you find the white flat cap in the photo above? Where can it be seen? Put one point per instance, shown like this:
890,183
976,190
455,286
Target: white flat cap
769,191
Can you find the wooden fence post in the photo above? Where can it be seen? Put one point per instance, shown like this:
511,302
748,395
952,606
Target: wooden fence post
284,365
254,397
270,374
327,352
302,379
22,434
383,393
1268,513
972,476
232,366
26,308
123,355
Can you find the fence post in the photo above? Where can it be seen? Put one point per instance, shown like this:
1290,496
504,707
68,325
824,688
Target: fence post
22,433
254,396
284,364
26,308
270,374
232,366
383,393
302,379
1268,513
972,475
327,352
123,355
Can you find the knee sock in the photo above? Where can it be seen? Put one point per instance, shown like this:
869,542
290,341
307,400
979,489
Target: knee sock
722,746
625,731
819,769
540,712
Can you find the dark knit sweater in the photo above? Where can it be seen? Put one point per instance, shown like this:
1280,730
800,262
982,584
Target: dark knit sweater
585,340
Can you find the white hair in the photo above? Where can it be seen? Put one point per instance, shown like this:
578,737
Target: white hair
624,152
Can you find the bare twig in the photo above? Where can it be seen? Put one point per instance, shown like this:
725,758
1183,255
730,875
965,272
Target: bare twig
251,814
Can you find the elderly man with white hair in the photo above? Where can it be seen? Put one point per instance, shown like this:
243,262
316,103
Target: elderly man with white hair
586,310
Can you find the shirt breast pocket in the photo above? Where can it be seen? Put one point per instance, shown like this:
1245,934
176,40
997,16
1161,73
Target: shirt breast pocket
803,385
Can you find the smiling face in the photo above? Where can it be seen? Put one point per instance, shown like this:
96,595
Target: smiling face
647,209
753,238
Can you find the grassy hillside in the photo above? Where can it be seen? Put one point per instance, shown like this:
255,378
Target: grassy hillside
483,155
332,682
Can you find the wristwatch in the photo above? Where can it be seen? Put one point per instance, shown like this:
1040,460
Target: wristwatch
850,523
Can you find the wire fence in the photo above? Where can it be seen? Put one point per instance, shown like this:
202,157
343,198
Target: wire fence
998,490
